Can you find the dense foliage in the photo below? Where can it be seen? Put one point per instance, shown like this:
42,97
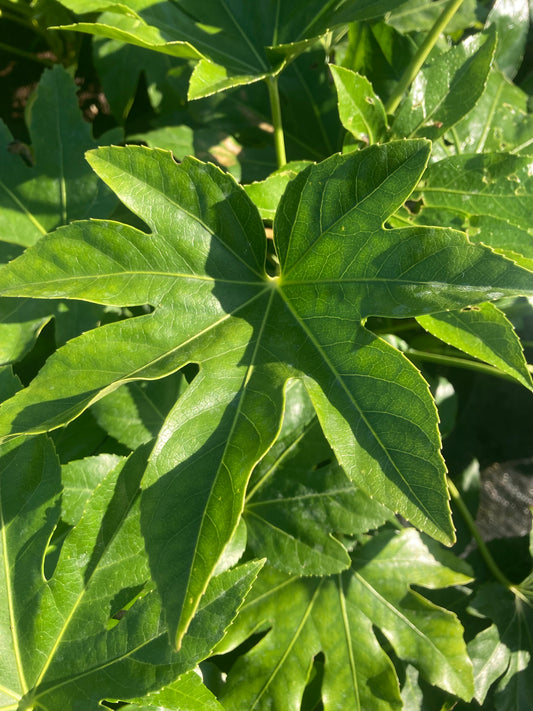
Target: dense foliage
239,315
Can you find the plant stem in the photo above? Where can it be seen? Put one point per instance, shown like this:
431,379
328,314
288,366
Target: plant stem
421,55
275,107
26,55
485,553
458,363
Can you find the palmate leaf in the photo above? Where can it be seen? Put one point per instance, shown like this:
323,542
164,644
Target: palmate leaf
187,693
202,268
305,616
60,648
237,42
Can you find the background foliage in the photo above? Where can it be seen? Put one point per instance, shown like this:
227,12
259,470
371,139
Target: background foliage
259,321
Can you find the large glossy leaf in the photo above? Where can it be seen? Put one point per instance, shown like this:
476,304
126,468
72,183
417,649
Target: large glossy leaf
202,268
59,186
489,195
237,42
66,640
305,616
446,89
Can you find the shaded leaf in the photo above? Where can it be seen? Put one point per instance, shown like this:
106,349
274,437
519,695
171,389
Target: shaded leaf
503,651
60,185
416,16
483,332
62,647
300,501
237,43
305,616
135,413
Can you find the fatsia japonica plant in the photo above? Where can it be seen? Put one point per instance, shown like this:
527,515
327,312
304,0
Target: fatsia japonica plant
226,378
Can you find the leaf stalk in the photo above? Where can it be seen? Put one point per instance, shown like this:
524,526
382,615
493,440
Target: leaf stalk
485,553
275,107
416,63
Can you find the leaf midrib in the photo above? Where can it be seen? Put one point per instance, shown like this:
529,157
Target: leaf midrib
340,380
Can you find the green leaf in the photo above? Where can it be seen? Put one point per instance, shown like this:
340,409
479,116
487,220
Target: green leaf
237,43
21,322
499,122
305,616
59,186
446,89
135,413
483,332
414,16
202,269
511,19
503,651
361,111
379,53
300,502
488,195
187,693
119,68
267,193
60,636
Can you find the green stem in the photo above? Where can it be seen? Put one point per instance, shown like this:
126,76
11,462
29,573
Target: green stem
487,557
421,55
457,363
275,107
26,55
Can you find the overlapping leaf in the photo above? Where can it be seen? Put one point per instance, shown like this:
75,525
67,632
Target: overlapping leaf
446,89
499,122
62,640
236,42
483,332
202,268
300,503
58,186
489,195
305,616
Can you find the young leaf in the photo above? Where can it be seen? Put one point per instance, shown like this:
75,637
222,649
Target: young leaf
483,332
305,616
361,111
446,89
58,186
